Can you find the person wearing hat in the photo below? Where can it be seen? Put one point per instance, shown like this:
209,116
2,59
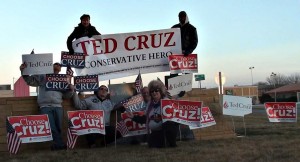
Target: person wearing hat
83,29
50,103
189,37
99,101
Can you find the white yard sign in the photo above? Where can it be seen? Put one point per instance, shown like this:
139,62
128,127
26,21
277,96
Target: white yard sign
180,83
236,105
38,63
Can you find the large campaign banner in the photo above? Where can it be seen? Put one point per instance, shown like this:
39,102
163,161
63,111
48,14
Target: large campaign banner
120,55
183,112
180,83
76,60
38,64
86,83
207,118
31,128
87,121
183,64
134,128
281,111
236,105
57,82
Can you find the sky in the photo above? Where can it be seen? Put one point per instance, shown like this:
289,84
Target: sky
233,35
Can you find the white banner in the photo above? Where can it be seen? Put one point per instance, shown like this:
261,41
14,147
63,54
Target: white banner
120,55
180,83
236,105
38,63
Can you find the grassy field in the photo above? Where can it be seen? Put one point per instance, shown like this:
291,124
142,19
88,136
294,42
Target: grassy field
264,141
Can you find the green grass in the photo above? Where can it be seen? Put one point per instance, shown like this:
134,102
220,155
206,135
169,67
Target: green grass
265,142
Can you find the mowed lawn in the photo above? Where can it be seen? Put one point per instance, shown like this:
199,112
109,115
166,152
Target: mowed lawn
264,141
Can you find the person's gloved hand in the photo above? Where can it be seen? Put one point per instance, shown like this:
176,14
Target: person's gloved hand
181,93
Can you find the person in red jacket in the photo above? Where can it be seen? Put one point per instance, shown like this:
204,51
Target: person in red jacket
83,29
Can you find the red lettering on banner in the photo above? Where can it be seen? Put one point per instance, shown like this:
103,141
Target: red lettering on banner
167,44
114,45
83,46
126,43
142,41
145,41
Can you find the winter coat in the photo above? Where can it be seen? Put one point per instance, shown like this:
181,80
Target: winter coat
81,31
189,37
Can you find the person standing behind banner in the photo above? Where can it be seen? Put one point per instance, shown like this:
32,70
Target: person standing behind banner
98,101
189,37
83,29
50,103
189,42
159,134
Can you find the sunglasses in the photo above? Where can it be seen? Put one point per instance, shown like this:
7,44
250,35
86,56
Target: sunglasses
157,90
104,89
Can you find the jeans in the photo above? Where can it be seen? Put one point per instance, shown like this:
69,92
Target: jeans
55,115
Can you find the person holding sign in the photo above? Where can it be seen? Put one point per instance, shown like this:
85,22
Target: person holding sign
98,101
159,134
189,37
49,103
83,29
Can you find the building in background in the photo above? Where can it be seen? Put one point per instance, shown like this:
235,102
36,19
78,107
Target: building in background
5,91
21,89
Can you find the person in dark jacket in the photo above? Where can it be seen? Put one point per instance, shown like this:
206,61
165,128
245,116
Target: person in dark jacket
83,29
189,38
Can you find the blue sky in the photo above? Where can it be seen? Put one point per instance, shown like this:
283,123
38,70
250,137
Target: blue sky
233,34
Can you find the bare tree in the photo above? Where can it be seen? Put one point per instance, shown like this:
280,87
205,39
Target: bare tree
294,78
277,80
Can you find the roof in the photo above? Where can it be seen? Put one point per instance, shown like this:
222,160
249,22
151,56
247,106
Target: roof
286,89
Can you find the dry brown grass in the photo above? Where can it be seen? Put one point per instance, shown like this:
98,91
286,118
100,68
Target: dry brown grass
265,142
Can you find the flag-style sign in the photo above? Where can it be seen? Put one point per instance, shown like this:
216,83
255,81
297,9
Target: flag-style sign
138,83
134,103
207,118
281,111
183,112
77,60
57,82
236,105
133,128
183,64
87,121
69,71
31,128
13,139
21,89
122,128
71,135
86,83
